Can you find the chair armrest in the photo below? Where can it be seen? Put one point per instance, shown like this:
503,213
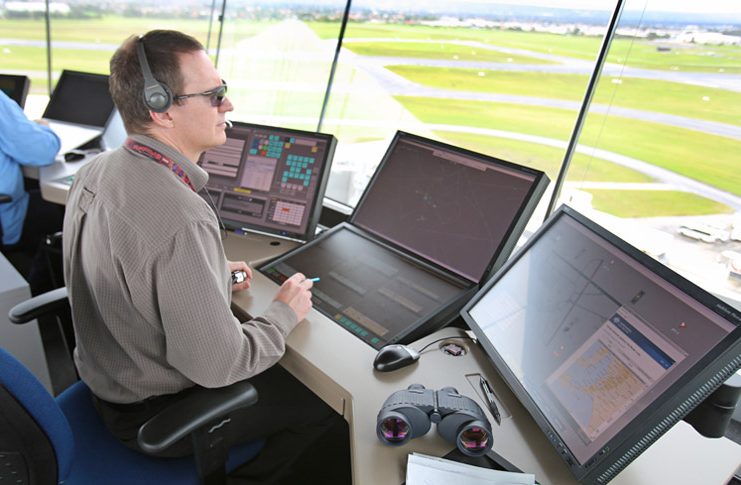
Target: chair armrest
198,409
39,305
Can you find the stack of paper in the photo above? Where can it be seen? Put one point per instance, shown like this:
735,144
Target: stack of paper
429,470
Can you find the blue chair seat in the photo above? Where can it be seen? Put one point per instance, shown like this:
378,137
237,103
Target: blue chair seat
101,458
84,451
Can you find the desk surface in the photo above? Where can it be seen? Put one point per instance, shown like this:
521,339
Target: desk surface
338,368
52,190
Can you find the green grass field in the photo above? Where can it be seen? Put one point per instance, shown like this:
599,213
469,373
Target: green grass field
113,29
542,157
438,50
676,98
650,203
710,159
643,53
679,150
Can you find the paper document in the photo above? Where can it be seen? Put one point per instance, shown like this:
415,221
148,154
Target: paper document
429,470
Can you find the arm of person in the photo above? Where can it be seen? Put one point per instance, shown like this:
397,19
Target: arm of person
26,142
204,340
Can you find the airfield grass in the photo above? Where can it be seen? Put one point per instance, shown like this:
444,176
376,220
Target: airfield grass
679,150
682,151
113,29
642,53
440,50
654,203
644,94
543,157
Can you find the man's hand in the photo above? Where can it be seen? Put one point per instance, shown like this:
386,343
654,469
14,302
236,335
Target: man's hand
240,266
295,292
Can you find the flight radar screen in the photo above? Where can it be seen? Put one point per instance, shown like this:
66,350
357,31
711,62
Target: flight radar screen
592,336
453,207
269,179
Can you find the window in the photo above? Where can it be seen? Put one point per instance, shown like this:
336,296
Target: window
657,160
501,79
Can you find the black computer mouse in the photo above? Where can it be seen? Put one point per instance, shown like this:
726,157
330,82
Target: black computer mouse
74,155
394,356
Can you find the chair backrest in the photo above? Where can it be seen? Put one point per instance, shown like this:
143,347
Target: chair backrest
35,432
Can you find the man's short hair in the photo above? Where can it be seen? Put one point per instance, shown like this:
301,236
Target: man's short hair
127,82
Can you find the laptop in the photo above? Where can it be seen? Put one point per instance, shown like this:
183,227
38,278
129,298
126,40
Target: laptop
79,108
114,135
16,87
269,180
433,222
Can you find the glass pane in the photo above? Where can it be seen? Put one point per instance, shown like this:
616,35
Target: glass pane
277,67
85,35
501,78
658,160
23,50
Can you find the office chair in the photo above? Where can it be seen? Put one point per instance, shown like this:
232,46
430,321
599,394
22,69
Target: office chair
50,440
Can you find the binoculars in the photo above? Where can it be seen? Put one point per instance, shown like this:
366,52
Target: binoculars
408,414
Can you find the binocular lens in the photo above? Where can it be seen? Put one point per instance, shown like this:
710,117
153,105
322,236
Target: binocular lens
474,439
394,430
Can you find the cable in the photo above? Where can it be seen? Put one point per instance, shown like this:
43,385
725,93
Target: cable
440,340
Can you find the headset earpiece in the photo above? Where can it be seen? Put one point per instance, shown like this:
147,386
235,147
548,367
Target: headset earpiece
157,96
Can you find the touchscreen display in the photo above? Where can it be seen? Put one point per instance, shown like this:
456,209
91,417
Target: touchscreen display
592,336
269,179
368,289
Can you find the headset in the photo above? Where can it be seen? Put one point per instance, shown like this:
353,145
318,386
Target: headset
157,96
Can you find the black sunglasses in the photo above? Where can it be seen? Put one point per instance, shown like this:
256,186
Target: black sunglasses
216,95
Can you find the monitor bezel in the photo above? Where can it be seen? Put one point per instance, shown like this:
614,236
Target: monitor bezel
316,210
673,404
22,84
513,233
63,77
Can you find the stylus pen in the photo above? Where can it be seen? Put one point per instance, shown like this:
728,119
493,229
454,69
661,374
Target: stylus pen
489,395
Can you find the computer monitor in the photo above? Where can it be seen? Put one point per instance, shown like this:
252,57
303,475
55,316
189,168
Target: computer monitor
16,87
268,179
81,98
604,346
458,209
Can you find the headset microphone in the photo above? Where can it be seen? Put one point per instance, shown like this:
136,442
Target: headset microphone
157,95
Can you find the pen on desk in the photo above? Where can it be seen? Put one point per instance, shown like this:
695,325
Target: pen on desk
489,395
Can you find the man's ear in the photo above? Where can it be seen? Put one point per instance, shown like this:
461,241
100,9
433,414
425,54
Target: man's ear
163,120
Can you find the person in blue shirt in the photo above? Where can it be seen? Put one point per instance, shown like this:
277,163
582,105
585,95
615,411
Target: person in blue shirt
26,218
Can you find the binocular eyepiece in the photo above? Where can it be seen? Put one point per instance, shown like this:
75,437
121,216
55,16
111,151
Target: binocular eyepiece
408,414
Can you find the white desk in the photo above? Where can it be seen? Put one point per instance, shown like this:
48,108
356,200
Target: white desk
338,368
51,189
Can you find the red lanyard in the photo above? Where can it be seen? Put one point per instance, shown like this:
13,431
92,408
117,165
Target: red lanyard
160,158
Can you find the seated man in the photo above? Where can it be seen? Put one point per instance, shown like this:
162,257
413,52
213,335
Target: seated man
26,219
148,281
